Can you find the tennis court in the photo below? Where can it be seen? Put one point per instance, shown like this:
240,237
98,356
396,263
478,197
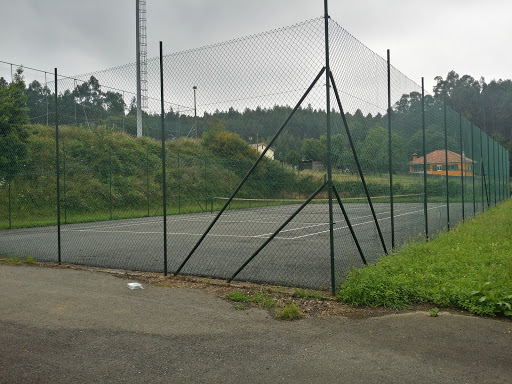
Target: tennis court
299,255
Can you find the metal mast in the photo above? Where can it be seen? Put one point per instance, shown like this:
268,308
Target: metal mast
141,51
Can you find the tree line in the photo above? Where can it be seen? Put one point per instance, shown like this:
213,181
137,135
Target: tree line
487,105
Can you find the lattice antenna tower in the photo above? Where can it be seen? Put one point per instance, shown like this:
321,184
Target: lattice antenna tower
142,58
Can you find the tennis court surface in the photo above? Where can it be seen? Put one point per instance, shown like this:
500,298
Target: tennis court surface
299,254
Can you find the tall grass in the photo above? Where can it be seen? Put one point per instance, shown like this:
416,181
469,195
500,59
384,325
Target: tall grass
470,267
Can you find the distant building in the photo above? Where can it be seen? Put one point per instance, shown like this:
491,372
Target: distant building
260,147
436,164
311,165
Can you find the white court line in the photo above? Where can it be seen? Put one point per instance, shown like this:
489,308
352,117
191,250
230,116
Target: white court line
169,220
358,217
248,236
262,220
340,213
295,229
346,226
169,233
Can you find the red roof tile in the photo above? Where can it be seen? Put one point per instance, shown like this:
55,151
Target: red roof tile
439,156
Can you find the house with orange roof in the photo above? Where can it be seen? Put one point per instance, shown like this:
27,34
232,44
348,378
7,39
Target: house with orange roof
436,164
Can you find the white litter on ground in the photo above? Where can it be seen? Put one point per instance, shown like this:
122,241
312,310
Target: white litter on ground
135,286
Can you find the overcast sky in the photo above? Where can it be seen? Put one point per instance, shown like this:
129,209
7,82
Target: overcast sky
426,37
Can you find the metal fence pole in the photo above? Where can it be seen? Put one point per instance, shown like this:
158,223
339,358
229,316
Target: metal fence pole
425,196
461,164
503,175
164,188
390,155
446,166
47,101
65,186
498,165
179,183
110,179
57,157
507,173
494,169
10,212
473,167
205,185
329,165
482,167
488,168
147,176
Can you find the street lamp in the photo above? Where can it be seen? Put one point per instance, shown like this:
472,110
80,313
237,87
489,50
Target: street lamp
195,110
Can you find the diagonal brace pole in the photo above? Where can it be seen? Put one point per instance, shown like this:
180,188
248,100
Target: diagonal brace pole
357,162
203,236
349,224
278,230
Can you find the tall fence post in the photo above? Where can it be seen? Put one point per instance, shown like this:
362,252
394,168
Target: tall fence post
164,187
462,172
110,179
494,170
147,177
446,167
64,171
205,185
498,165
488,169
507,173
482,170
473,167
179,183
10,207
425,196
504,170
57,158
390,156
329,155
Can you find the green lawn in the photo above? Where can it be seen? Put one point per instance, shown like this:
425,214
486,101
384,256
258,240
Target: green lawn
470,267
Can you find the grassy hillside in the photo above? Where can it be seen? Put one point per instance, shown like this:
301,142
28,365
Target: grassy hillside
107,174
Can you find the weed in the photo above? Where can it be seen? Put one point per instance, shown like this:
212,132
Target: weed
238,296
488,300
308,294
241,307
15,260
289,312
263,299
434,312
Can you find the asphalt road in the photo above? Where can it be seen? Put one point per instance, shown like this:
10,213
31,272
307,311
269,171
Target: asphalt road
298,256
69,326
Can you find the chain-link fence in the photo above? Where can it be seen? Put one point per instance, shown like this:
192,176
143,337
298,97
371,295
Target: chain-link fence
348,159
